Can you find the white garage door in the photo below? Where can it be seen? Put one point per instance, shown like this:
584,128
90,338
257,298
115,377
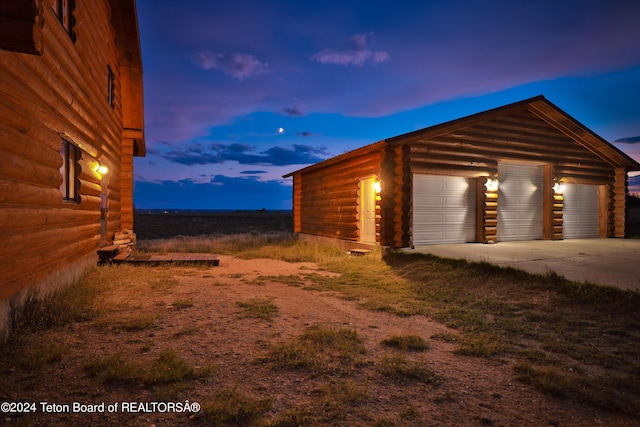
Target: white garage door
444,209
580,211
520,202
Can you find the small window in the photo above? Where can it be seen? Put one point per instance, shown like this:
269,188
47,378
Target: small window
70,169
64,11
111,83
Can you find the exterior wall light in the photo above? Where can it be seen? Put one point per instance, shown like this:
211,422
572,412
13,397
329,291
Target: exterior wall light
558,187
492,184
377,187
99,168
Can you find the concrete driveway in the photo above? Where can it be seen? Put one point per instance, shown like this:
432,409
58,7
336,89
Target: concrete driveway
611,262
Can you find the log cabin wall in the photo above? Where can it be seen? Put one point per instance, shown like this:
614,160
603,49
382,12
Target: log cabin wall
297,201
474,151
329,203
395,197
59,94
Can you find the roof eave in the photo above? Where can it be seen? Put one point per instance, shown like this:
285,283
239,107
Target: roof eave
571,127
340,158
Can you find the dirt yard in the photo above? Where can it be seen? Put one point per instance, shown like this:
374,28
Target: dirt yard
195,312
172,335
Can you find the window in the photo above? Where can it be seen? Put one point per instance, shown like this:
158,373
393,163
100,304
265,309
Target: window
111,83
21,27
70,169
64,11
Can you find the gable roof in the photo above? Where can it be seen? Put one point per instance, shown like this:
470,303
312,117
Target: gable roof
539,106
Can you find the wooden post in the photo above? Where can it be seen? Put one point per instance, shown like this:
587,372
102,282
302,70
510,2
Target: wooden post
481,199
620,191
547,202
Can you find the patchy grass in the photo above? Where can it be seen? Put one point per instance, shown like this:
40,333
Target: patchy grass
406,342
168,368
258,308
564,332
290,279
338,402
575,341
401,369
63,307
167,375
114,368
233,408
181,304
132,324
224,244
37,359
538,319
320,350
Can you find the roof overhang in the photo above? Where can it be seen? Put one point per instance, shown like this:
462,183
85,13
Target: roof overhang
566,124
341,158
539,106
124,18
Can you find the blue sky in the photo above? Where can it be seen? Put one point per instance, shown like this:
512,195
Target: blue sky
239,93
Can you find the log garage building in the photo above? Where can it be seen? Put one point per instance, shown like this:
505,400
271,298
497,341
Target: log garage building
523,171
71,120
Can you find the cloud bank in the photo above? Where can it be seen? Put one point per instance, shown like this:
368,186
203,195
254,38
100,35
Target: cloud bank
292,111
631,140
356,50
237,65
217,153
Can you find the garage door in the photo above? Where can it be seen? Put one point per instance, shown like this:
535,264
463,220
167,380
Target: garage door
580,211
520,202
444,209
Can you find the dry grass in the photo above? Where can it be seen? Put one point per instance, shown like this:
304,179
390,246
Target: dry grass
258,308
406,342
574,341
322,350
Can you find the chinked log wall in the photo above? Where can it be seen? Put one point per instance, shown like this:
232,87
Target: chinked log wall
326,202
59,94
474,152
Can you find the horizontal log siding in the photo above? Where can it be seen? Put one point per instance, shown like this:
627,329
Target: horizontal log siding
126,184
61,93
327,200
395,198
297,203
617,223
520,136
486,212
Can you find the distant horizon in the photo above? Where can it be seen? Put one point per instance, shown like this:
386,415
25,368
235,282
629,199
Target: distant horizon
180,210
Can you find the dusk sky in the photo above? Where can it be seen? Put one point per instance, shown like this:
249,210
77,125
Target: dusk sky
239,93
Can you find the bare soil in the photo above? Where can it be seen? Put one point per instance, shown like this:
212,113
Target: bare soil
214,331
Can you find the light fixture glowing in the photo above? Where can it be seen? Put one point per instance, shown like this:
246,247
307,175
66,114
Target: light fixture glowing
492,184
377,187
558,187
99,168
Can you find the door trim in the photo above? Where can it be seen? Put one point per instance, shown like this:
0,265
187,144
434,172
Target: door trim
367,217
